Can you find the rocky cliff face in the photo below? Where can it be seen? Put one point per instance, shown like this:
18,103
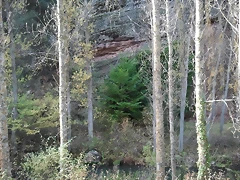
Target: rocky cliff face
120,26
121,18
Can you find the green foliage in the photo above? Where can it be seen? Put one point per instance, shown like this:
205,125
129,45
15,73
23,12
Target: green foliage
145,65
35,114
79,74
4,176
80,49
190,104
116,88
149,154
45,165
123,93
42,165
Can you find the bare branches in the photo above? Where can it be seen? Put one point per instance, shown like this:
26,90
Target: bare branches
230,13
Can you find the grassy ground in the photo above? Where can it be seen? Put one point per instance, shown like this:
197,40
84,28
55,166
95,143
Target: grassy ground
224,149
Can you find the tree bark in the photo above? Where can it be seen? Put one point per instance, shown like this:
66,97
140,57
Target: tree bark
225,93
157,91
4,146
203,154
213,104
62,84
89,82
154,128
184,50
90,105
214,81
69,118
183,97
226,84
14,75
170,92
238,69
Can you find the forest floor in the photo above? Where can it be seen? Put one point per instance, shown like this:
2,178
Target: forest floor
224,149
128,144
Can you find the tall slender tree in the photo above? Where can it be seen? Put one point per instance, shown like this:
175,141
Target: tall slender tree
62,83
89,72
203,154
69,117
223,109
157,91
183,50
219,50
4,147
14,74
170,90
238,68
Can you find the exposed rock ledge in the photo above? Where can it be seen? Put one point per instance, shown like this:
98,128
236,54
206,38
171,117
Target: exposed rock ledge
113,48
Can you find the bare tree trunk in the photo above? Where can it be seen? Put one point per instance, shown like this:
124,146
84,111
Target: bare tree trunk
154,128
89,82
214,83
213,104
238,67
5,166
69,118
90,105
157,91
170,92
203,154
183,95
225,93
14,76
184,50
62,85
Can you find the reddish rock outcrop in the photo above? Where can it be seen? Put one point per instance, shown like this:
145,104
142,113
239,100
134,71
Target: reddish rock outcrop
111,49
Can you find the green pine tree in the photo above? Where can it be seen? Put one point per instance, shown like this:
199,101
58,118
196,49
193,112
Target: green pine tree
123,92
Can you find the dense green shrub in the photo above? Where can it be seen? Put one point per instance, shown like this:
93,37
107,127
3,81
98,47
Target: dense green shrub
149,155
123,93
34,114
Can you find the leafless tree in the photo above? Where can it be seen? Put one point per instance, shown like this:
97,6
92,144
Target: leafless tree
62,82
157,91
170,89
4,147
203,154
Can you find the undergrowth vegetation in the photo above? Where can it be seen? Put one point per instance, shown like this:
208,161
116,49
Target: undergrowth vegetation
35,113
45,165
122,130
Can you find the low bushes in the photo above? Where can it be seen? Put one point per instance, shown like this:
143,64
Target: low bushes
45,165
